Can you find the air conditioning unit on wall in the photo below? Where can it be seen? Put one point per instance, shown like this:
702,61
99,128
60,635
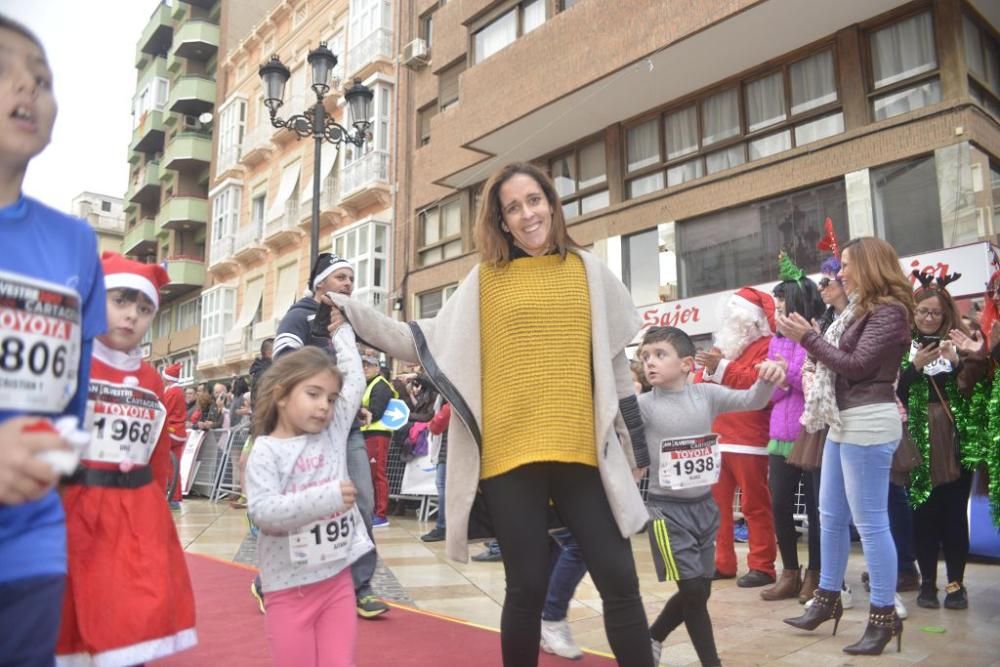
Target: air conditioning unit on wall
416,54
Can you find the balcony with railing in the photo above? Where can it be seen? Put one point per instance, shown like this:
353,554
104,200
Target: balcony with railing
186,273
188,150
193,94
156,35
257,146
242,350
196,39
366,181
145,185
222,251
140,240
284,229
180,213
365,56
210,351
247,244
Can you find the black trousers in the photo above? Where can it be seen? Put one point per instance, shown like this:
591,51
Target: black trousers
942,522
518,503
784,481
689,605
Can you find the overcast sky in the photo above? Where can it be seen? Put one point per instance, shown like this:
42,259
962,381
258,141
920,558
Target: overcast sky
91,48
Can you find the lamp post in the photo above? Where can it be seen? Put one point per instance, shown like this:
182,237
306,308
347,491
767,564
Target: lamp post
315,121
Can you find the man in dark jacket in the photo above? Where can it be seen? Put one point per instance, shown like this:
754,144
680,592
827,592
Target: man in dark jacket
261,364
296,330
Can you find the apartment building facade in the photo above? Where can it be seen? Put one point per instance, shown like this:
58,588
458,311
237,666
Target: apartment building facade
262,176
105,214
166,205
690,142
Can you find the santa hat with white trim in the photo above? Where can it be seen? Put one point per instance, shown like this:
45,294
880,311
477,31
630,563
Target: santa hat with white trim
172,373
754,301
124,273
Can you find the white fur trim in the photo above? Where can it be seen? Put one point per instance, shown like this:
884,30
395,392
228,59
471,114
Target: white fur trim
132,281
123,361
739,302
744,449
135,654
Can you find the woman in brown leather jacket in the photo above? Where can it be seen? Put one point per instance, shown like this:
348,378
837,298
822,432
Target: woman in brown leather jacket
853,391
941,520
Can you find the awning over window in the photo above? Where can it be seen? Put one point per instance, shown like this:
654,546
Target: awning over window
251,302
289,182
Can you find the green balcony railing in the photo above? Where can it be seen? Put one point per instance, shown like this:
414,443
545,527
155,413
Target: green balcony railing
144,233
188,150
184,271
196,39
156,36
147,137
180,211
192,95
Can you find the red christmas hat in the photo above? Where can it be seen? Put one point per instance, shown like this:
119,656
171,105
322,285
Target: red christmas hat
124,273
756,302
172,373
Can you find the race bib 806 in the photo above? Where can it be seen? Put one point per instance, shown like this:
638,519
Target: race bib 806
39,344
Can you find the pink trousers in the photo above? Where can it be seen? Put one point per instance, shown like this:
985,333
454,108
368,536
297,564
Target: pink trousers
313,625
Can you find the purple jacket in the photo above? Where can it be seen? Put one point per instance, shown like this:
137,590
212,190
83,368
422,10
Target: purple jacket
787,404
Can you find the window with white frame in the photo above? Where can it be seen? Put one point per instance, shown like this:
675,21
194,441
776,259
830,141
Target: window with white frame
217,306
581,179
505,29
369,31
336,46
370,163
904,66
429,303
226,212
366,247
232,124
257,211
162,323
189,314
152,97
440,233
982,58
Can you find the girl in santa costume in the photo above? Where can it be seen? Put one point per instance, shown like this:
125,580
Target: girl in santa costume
128,595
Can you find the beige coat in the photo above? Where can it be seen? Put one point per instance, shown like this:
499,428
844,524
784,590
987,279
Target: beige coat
448,347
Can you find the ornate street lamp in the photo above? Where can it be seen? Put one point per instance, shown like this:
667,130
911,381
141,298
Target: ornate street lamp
315,121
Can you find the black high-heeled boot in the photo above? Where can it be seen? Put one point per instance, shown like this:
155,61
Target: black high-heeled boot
883,625
825,605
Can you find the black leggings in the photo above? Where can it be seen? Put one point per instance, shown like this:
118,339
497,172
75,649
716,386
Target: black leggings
689,605
518,502
784,481
942,522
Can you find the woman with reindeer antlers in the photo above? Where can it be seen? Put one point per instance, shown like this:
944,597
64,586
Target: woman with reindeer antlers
937,382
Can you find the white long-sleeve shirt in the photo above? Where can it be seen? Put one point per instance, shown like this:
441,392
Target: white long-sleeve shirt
295,482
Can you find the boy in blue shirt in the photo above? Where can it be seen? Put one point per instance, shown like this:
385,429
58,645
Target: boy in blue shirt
52,305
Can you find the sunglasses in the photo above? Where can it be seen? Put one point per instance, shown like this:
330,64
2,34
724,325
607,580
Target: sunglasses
824,282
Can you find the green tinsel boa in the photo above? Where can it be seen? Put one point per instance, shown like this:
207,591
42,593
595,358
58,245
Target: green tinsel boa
977,419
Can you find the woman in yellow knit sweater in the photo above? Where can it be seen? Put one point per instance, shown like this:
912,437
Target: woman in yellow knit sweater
529,351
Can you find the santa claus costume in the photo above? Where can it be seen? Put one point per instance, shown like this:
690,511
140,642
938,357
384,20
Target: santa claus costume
128,594
173,400
743,437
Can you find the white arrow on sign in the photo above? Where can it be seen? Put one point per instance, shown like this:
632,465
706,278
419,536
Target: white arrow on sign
395,413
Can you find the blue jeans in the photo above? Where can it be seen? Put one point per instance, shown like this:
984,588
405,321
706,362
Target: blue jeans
901,525
855,483
29,615
567,570
360,472
439,478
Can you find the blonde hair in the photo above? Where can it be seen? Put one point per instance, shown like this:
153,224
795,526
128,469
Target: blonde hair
495,245
878,276
282,377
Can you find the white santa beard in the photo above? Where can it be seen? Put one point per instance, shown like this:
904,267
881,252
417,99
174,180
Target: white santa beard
739,329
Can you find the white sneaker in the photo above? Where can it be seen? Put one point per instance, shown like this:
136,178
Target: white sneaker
657,650
557,639
900,607
846,597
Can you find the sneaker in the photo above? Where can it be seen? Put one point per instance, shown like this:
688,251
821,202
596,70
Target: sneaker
657,650
434,535
846,596
380,522
175,506
900,607
754,579
741,533
370,606
956,597
491,555
928,598
257,593
557,639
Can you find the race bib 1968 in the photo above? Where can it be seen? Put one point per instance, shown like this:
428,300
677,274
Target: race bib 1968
39,344
325,540
689,461
125,423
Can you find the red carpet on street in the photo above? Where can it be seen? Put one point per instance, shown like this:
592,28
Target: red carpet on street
231,630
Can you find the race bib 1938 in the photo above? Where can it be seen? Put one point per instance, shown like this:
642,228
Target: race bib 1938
125,422
39,344
325,540
689,461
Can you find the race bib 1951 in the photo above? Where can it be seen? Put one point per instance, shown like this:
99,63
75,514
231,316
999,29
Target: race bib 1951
39,344
325,540
689,461
125,422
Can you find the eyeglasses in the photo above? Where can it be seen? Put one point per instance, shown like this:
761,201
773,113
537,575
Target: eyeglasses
926,312
825,281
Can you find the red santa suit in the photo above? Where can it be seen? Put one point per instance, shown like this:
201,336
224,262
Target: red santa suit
128,594
743,438
173,400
